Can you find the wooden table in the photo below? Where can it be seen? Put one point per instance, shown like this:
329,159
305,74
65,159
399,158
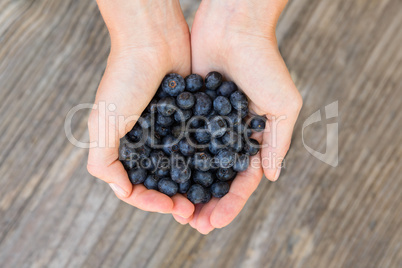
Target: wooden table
53,213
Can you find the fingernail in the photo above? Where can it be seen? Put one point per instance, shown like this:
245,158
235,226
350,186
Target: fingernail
278,172
118,190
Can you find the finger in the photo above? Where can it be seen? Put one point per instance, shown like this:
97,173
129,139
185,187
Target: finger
149,200
203,224
182,220
240,191
182,206
193,222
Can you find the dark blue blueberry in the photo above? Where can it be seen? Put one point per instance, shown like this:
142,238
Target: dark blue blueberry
157,157
213,80
212,113
135,133
129,164
196,194
183,187
127,151
137,176
146,120
143,151
215,146
225,158
197,122
243,130
203,178
183,115
162,171
202,161
194,82
226,89
151,182
238,100
162,131
203,104
161,94
167,106
211,93
242,162
173,84
202,135
208,196
180,172
251,147
153,106
217,126
164,121
225,174
257,124
178,130
170,145
234,119
244,112
230,138
238,145
168,187
222,105
186,148
185,100
153,140
220,189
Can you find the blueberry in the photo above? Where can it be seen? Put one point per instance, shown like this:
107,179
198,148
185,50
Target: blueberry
257,124
208,196
183,115
238,100
185,100
143,151
162,131
162,171
203,104
251,147
153,140
151,182
129,164
242,162
146,120
211,93
164,121
234,119
230,138
135,134
168,187
173,84
244,112
157,157
215,146
194,82
213,80
153,106
177,131
226,89
225,158
170,145
243,130
180,172
137,176
127,151
203,178
167,106
161,94
222,105
225,174
217,126
197,122
202,161
202,135
196,194
238,145
219,189
186,148
183,187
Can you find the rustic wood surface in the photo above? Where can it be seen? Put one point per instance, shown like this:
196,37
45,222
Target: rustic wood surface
54,214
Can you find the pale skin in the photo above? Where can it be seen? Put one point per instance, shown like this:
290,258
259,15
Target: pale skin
151,39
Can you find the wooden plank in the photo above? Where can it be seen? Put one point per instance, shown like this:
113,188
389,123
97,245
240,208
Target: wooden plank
53,213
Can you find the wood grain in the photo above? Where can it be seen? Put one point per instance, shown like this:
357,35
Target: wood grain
54,214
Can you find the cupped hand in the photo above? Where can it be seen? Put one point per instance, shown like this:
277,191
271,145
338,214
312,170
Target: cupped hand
237,38
148,40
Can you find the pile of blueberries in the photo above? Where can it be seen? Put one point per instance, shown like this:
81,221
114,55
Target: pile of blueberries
192,139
